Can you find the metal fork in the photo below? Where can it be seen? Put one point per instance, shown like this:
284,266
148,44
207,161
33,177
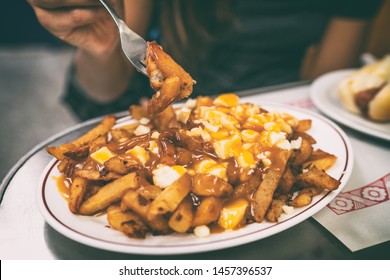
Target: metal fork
133,45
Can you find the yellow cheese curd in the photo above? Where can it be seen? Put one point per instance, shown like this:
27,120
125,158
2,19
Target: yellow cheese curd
244,131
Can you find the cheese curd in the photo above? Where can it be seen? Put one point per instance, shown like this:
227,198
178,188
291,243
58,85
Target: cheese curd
164,176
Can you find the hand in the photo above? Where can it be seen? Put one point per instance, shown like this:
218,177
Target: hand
81,23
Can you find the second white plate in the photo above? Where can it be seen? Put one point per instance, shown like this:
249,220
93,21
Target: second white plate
323,93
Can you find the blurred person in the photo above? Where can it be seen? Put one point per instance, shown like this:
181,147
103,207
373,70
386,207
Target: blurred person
226,45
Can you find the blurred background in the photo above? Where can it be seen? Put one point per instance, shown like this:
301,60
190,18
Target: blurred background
32,111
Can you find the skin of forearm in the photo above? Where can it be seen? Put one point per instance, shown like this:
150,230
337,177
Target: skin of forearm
104,78
340,48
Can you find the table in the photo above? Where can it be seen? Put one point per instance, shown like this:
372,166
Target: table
27,236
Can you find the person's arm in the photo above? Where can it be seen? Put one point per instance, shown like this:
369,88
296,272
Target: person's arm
101,69
340,47
106,77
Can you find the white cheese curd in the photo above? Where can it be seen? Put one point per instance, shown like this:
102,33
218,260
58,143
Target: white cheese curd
296,144
201,231
144,121
141,129
165,176
287,209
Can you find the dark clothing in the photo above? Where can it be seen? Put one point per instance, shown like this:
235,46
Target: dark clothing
265,46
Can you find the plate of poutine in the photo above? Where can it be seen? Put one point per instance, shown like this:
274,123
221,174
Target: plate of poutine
205,175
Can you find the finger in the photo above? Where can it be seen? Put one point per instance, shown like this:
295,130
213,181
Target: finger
55,4
67,19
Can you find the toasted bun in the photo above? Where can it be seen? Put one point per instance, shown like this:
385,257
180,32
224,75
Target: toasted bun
379,107
368,77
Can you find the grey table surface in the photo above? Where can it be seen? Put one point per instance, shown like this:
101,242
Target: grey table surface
31,83
32,116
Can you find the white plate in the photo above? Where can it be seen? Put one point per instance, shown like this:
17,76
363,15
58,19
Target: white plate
93,231
323,93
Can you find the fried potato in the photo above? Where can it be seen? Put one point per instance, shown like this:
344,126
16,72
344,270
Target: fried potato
127,222
264,194
110,193
67,167
181,220
96,175
320,160
77,153
305,196
120,134
303,125
275,210
169,92
246,189
170,198
210,185
299,156
59,152
286,182
97,144
208,211
139,200
165,119
121,165
318,178
170,68
77,191
138,112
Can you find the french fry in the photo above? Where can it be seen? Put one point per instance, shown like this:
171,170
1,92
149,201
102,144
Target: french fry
181,220
208,211
318,178
77,191
264,194
210,185
59,152
275,210
110,193
299,156
97,143
127,222
139,200
170,68
67,167
247,188
120,134
320,160
303,125
77,153
121,165
170,198
138,112
165,119
96,175
305,196
286,182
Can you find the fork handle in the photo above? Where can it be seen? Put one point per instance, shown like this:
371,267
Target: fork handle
112,12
